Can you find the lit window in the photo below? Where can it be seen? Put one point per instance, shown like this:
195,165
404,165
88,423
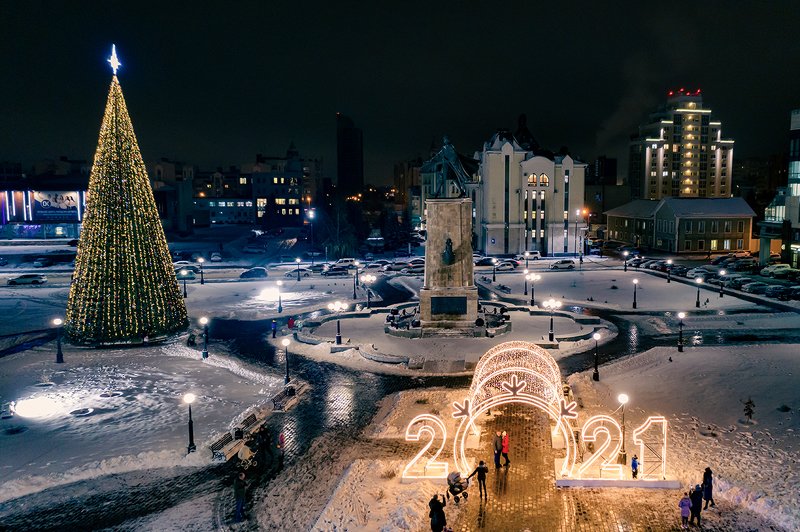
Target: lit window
283,212
532,179
726,244
242,180
280,201
212,204
274,180
248,203
544,181
714,245
283,180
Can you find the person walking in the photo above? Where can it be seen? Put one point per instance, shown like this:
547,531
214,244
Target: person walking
696,496
635,466
708,488
438,519
290,323
685,505
481,471
497,445
239,487
504,448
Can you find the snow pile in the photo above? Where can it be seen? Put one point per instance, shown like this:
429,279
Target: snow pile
701,392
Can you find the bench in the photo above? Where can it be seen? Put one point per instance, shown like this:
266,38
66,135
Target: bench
279,401
222,450
248,422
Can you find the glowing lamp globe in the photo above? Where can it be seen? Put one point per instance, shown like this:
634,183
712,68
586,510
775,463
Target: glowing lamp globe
622,398
285,342
189,398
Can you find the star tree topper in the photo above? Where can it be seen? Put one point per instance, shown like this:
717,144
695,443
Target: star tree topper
114,60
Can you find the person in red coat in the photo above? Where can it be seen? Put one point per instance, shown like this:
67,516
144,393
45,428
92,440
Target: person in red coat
505,448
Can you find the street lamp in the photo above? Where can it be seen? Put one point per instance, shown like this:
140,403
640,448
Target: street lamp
669,270
625,264
59,354
526,260
184,275
189,399
552,304
596,374
494,270
285,343
280,300
355,278
577,216
311,214
722,283
200,261
525,273
681,315
699,281
297,261
635,286
204,323
533,278
623,457
368,279
338,306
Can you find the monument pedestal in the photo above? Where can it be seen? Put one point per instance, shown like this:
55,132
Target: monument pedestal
449,297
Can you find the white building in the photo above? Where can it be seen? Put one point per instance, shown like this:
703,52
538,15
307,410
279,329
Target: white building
527,201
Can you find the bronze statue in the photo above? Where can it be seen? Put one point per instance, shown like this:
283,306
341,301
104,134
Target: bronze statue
448,167
448,257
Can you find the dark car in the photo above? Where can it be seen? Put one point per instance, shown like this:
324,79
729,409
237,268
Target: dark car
73,242
486,261
254,273
317,268
336,271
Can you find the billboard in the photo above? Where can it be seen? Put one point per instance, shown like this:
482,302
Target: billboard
59,206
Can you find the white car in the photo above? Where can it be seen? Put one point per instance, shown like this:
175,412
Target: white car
532,255
215,257
563,264
413,270
505,267
770,270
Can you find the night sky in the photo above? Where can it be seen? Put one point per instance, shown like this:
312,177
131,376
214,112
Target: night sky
214,83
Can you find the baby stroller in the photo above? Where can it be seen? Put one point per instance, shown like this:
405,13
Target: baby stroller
457,486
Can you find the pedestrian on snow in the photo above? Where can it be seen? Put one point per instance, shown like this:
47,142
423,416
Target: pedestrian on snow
239,487
497,445
685,505
290,323
635,466
708,491
696,496
438,519
481,471
505,448
264,437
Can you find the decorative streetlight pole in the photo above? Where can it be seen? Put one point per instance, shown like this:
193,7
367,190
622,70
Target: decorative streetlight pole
189,399
58,322
184,275
204,323
596,374
297,261
280,300
368,279
311,214
533,278
527,254
552,304
525,273
722,283
681,315
699,281
625,263
623,456
669,270
338,306
494,270
355,279
635,286
285,343
200,261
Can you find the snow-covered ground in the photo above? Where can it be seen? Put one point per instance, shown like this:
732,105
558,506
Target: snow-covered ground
701,392
137,419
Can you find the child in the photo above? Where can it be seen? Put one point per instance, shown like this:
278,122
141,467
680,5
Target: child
685,505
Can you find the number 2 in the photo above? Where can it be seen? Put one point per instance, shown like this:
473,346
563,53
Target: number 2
431,468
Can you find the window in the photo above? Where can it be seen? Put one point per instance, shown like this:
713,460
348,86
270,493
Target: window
274,180
740,226
714,244
701,245
726,244
240,204
727,226
212,204
687,227
248,203
626,223
701,227
280,201
541,233
714,226
687,245
242,180
740,244
283,180
532,179
544,181
294,201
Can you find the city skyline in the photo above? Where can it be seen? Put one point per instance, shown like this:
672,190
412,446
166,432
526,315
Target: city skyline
215,88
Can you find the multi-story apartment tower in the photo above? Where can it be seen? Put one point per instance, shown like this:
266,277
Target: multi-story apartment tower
680,152
349,157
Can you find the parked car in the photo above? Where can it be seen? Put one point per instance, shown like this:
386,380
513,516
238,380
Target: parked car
304,272
563,264
778,292
42,262
740,281
742,265
785,273
215,257
476,256
769,271
739,254
486,261
254,273
531,255
637,261
756,287
413,270
417,261
254,248
659,266
506,267
73,242
513,262
318,268
794,292
679,270
190,267
774,258
346,262
700,271
185,273
396,266
336,271
28,278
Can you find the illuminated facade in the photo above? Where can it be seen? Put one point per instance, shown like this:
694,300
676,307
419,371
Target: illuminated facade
680,152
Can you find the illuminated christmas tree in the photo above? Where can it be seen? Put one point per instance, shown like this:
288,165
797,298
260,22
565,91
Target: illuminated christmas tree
124,287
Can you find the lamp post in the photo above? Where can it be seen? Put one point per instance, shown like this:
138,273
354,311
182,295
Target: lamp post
698,281
635,286
669,270
551,304
722,283
184,274
525,274
577,216
189,399
338,306
297,261
200,261
285,343
527,254
311,214
355,279
596,374
625,263
204,323
58,322
368,279
494,270
533,278
623,456
681,315
280,298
